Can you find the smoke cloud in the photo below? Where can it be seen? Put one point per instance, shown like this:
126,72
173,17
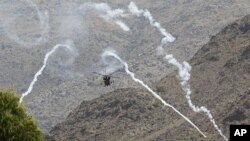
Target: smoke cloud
111,64
9,24
107,13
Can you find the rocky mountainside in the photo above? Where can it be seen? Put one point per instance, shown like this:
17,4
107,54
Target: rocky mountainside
64,85
220,80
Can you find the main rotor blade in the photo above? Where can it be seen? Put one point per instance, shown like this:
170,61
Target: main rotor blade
112,76
114,72
98,73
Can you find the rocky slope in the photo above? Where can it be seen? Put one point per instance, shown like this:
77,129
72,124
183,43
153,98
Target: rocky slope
220,80
191,21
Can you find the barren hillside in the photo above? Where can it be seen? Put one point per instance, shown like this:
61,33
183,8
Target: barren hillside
30,28
220,81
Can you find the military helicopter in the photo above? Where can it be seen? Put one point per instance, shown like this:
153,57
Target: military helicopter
106,78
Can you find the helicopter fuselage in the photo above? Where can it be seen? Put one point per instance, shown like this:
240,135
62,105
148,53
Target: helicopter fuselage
106,80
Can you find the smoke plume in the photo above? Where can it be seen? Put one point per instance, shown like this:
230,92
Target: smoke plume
9,24
107,13
184,76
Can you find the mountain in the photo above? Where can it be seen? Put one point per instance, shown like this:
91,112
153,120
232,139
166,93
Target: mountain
220,80
67,80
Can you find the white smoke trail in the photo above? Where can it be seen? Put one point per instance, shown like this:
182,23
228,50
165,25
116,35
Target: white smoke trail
132,75
139,12
183,69
107,13
40,71
184,74
113,15
122,25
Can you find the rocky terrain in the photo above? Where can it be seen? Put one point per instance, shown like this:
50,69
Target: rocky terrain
63,86
220,81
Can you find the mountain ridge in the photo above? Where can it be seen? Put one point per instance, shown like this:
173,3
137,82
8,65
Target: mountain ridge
220,81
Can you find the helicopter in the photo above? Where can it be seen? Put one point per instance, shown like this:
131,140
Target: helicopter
106,78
